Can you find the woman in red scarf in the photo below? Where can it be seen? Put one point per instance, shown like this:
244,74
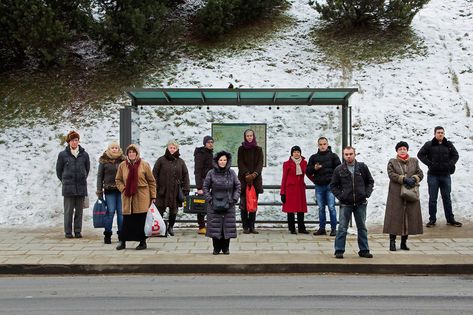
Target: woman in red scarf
402,217
136,182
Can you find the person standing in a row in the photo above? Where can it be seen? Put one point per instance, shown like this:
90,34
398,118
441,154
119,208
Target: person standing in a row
107,188
203,158
250,166
72,169
136,183
402,217
222,190
170,172
293,190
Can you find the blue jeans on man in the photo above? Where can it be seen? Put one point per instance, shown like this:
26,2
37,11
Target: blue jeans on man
359,212
325,197
114,205
444,183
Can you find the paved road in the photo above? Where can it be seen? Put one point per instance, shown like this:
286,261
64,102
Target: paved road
267,294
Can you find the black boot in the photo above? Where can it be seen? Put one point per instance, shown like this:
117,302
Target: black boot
252,219
392,242
403,242
107,239
121,245
172,220
142,245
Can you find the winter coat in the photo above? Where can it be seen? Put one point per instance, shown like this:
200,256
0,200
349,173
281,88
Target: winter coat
218,180
73,171
352,190
439,157
107,172
170,172
329,161
139,202
293,186
401,217
203,159
249,161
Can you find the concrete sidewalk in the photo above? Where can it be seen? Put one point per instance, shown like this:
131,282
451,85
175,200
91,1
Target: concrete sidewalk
440,250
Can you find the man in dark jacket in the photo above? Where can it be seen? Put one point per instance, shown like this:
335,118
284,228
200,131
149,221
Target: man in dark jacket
72,169
440,156
352,184
320,170
203,157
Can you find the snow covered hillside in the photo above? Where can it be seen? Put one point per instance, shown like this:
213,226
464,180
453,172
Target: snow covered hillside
399,99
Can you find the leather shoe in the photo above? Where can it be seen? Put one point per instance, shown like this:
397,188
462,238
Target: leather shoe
454,223
226,252
141,246
303,232
121,245
430,224
320,232
69,236
293,232
171,231
253,231
216,252
339,255
333,232
365,254
246,231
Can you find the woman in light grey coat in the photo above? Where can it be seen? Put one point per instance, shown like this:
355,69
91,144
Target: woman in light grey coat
402,217
221,191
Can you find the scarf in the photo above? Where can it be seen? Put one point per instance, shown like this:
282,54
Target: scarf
112,155
171,157
249,145
404,157
75,152
298,165
131,185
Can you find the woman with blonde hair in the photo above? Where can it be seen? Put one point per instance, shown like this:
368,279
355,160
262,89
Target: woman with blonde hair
107,188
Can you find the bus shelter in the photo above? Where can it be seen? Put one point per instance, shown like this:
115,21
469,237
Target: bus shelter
256,97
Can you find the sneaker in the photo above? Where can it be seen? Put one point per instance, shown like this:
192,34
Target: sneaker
455,223
333,232
339,255
320,232
365,254
431,224
202,231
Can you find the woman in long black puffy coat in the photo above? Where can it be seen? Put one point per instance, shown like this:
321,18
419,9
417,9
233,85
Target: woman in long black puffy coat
221,191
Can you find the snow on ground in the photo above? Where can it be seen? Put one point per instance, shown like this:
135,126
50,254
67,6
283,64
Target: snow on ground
401,99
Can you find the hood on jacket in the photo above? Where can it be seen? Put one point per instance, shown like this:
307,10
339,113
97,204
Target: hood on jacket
136,148
218,156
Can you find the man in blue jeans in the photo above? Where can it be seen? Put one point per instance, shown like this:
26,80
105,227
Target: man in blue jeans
440,156
352,184
320,170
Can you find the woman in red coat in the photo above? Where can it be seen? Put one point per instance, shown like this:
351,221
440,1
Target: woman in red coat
293,190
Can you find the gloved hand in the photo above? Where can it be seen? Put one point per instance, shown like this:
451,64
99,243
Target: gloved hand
410,182
99,195
249,180
283,198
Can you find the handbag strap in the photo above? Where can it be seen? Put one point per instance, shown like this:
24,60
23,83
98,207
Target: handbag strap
402,170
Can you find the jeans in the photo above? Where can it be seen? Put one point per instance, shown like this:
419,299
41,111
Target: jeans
326,198
444,183
114,204
359,211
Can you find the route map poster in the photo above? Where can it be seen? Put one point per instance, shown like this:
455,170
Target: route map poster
229,137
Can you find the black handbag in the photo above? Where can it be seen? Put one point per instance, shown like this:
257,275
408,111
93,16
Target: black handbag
220,203
180,194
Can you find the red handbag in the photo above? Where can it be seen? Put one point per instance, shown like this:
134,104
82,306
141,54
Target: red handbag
251,199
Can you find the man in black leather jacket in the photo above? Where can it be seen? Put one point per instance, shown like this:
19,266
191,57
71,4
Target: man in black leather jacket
352,184
440,156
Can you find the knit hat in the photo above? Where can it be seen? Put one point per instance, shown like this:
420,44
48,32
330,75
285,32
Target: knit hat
207,139
402,144
72,135
296,148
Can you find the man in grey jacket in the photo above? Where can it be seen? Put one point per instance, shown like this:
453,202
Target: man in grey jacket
72,169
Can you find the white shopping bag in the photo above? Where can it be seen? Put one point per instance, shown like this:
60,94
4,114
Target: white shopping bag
154,225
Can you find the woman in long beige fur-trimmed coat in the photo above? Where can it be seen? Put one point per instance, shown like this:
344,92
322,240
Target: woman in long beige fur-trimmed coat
136,182
402,217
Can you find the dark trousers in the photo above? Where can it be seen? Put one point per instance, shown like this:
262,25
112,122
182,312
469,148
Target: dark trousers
221,244
247,218
444,184
300,221
172,216
73,209
201,220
